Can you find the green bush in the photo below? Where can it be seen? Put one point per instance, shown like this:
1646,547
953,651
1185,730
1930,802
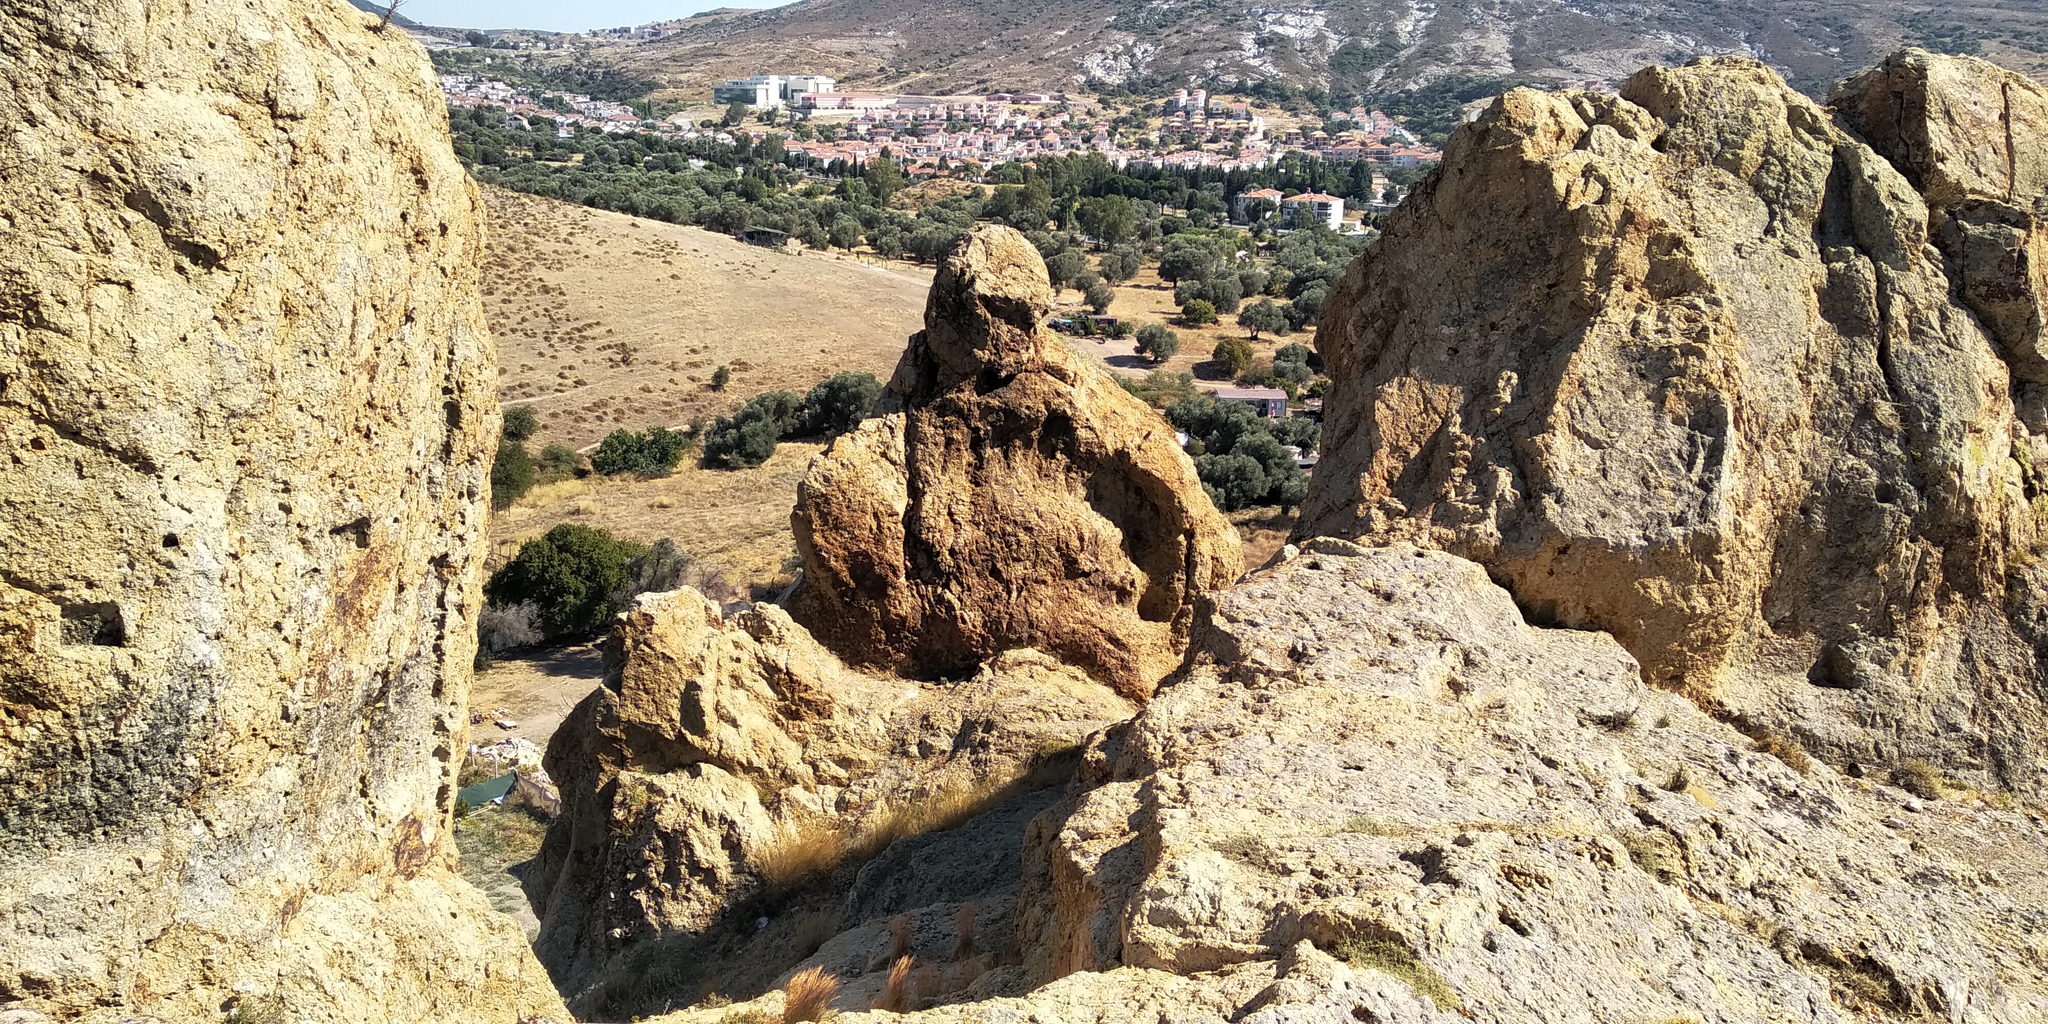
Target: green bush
720,377
574,576
651,452
1232,356
748,437
1244,461
1196,312
520,422
1157,342
512,474
840,402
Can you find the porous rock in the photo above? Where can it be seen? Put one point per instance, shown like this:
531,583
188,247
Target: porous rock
1011,496
1691,365
246,403
719,743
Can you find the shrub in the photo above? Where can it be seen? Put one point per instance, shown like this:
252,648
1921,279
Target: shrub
1784,749
512,474
748,437
895,995
1918,778
520,422
1232,356
1392,958
1098,295
651,452
1157,342
1298,353
808,996
840,402
503,627
721,377
559,462
574,576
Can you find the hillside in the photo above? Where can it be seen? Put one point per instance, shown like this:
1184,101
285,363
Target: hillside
1360,46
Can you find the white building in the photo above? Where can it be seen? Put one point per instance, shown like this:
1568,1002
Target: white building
772,91
1311,207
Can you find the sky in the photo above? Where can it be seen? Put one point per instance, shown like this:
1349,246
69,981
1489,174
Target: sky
558,15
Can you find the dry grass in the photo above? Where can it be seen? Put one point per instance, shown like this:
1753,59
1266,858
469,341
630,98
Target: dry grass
963,926
813,930
900,936
895,994
1785,749
799,858
1393,958
809,995
1919,778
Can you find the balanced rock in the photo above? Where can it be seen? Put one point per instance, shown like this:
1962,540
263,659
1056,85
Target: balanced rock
246,404
729,758
1012,496
1697,366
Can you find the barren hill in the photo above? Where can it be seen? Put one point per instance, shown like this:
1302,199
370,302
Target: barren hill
1346,45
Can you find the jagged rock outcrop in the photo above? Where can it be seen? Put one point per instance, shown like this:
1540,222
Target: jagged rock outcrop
1012,496
1378,794
1697,366
734,758
246,403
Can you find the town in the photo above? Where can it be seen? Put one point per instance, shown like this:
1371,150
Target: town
956,134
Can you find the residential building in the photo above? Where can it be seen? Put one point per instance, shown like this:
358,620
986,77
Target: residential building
771,91
1311,208
1240,207
1268,402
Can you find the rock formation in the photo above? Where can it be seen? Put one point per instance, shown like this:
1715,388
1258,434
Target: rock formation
1698,366
1377,794
246,399
727,761
1013,496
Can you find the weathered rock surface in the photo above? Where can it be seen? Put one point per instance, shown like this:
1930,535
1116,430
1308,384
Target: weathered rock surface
733,758
1506,825
1697,366
1013,496
246,404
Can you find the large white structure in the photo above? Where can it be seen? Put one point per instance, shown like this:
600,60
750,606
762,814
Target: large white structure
771,90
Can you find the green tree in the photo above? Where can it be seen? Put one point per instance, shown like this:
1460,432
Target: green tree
1264,316
1121,264
1157,342
520,423
883,177
845,232
1232,356
1109,218
1064,268
574,576
1196,312
840,402
734,114
1098,294
512,474
651,452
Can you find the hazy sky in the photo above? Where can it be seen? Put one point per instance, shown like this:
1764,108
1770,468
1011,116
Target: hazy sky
556,15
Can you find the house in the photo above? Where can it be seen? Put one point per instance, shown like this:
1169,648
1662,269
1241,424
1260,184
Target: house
1311,208
771,91
1270,403
1239,206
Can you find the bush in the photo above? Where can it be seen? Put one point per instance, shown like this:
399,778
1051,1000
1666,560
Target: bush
721,377
1232,356
1244,461
1196,312
512,474
1098,295
507,626
651,452
839,403
574,577
520,423
748,437
1157,342
559,462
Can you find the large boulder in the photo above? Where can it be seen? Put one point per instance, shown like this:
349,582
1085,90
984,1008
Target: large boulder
246,404
1012,496
1686,365
730,761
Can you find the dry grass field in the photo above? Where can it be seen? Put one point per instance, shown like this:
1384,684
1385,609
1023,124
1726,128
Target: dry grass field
605,321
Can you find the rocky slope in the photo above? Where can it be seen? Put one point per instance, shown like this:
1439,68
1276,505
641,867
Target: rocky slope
246,400
1381,796
730,763
1698,366
1357,46
1011,496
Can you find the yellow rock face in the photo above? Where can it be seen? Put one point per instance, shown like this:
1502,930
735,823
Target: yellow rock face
1012,497
246,404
